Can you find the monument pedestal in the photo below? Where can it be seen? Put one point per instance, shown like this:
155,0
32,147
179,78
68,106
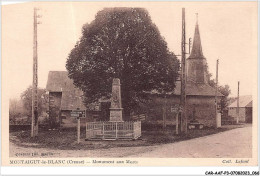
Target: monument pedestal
115,128
116,115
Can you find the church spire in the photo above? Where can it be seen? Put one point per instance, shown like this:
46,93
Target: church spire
196,63
196,51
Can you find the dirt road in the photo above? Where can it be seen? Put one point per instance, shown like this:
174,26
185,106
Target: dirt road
233,143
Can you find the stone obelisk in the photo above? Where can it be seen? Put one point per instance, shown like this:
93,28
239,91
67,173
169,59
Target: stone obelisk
116,105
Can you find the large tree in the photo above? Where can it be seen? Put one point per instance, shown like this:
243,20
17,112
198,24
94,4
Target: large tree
26,98
15,109
122,43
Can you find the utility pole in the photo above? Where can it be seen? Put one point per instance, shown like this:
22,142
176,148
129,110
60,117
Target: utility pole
216,94
183,74
238,102
182,108
34,125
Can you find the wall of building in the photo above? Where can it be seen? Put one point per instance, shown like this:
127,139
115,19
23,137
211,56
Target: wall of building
249,115
68,121
200,108
196,70
54,108
232,112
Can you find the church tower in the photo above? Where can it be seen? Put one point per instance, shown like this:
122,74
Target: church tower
196,62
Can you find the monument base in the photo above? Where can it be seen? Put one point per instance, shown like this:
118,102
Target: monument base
113,130
116,115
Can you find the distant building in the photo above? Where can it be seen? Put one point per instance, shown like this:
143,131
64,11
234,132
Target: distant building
245,109
64,97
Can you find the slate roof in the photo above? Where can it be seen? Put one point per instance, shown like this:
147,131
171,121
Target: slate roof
196,89
58,81
244,101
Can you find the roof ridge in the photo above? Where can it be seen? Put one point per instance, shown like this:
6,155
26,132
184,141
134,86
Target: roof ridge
244,100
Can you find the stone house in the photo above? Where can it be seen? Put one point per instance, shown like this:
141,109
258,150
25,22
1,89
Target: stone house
245,109
64,97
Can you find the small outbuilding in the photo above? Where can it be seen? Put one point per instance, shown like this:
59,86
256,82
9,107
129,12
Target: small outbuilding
65,97
245,109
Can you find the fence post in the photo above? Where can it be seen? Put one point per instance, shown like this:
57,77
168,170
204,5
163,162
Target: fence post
78,131
140,129
103,132
86,130
177,123
116,130
133,130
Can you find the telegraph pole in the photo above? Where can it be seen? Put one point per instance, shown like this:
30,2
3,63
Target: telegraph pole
34,125
183,74
182,109
238,102
216,94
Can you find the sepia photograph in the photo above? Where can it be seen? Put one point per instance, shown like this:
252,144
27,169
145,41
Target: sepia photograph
129,84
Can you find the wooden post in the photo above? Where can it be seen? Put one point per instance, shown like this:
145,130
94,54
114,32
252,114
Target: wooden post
183,76
34,125
103,132
35,78
116,130
216,92
177,123
238,102
78,130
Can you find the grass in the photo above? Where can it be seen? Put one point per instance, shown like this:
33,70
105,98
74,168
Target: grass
66,138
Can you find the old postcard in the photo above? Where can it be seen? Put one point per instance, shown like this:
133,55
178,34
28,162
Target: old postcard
129,84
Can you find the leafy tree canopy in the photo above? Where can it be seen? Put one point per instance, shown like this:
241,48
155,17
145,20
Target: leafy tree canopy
122,43
15,109
26,98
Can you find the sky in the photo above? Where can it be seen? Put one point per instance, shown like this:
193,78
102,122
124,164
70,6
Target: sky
228,32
